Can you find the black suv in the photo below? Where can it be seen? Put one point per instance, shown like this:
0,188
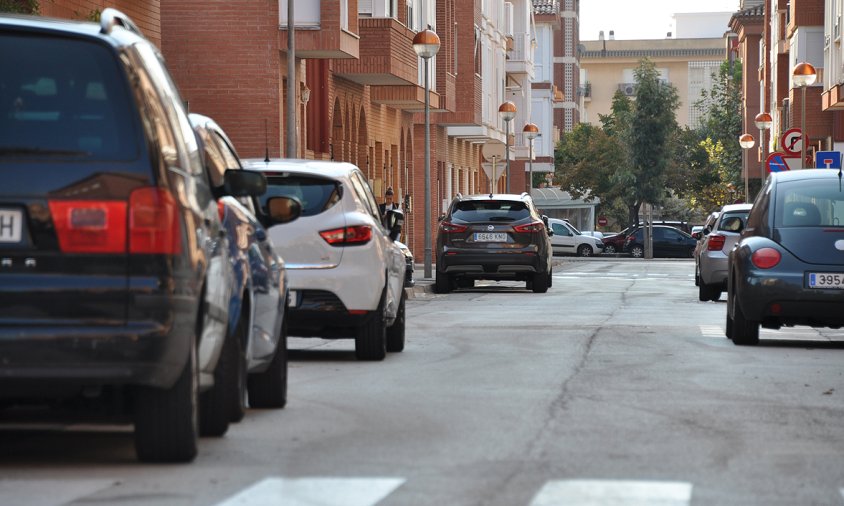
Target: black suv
498,237
113,264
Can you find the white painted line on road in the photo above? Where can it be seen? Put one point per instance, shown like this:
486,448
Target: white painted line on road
48,492
613,492
712,331
315,492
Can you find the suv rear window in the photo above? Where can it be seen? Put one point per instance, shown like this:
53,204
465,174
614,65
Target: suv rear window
62,97
316,194
490,210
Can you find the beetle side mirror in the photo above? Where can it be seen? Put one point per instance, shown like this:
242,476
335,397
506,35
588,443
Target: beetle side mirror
283,209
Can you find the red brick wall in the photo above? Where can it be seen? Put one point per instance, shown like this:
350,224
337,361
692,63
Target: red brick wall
145,13
806,13
224,58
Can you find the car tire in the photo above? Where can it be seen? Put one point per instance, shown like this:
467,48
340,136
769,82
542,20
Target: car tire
691,253
268,389
371,335
540,282
395,332
697,275
442,282
745,332
729,327
707,292
237,409
215,404
637,251
167,419
584,250
609,248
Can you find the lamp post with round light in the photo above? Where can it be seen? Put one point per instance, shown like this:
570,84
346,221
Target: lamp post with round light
763,122
746,141
803,76
426,44
507,111
531,131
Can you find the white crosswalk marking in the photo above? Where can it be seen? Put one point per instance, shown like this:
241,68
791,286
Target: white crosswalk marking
613,492
711,331
48,492
315,492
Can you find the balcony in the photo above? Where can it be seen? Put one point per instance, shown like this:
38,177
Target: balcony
386,58
520,57
407,98
324,30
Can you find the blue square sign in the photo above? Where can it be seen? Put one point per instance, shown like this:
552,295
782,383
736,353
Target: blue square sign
828,160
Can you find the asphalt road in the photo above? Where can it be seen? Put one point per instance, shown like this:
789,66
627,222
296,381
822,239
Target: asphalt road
615,387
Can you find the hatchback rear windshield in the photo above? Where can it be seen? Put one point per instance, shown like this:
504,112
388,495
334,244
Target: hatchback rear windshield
490,210
316,194
809,203
64,98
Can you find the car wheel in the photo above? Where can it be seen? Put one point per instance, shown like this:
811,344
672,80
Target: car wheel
395,332
167,419
729,327
371,335
609,248
215,404
707,292
550,278
584,250
540,282
268,389
691,253
442,283
637,251
237,409
745,332
697,275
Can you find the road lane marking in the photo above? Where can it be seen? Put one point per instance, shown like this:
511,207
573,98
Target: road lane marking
49,492
712,331
277,491
613,493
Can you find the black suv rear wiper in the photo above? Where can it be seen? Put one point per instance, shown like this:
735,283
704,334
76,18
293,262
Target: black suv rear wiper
25,150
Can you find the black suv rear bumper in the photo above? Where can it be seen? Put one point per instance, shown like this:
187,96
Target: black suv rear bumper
498,265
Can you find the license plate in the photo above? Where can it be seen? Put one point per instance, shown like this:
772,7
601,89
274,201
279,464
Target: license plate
826,280
292,298
11,223
490,237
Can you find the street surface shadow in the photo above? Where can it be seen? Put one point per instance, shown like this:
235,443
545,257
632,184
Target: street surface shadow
321,355
65,447
800,343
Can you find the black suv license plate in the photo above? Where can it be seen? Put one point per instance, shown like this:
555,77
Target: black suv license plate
11,225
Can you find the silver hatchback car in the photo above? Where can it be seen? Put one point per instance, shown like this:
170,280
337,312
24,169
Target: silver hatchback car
714,250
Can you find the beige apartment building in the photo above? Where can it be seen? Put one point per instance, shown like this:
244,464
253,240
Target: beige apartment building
689,64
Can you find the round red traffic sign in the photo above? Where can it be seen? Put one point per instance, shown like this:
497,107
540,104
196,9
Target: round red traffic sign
602,221
792,141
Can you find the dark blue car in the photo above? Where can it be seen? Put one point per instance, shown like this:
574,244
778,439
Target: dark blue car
256,350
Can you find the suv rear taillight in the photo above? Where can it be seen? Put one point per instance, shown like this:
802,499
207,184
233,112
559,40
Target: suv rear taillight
716,242
451,228
348,236
154,226
90,226
100,226
536,226
765,258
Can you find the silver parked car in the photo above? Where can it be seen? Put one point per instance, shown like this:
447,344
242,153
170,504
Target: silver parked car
714,249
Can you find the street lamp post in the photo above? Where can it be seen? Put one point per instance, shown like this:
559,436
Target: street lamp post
746,141
763,122
507,111
531,131
426,44
803,76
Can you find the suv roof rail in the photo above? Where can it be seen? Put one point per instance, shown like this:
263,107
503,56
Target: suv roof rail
111,17
525,194
459,196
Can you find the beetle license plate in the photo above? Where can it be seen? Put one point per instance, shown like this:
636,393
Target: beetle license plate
11,224
490,237
826,280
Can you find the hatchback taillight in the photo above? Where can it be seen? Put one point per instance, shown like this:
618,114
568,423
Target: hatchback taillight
765,258
451,228
716,242
536,226
347,236
90,226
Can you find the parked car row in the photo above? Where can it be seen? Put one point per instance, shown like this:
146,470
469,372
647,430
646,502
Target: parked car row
145,267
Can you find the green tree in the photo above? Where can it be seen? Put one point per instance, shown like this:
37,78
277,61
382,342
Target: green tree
651,130
20,6
722,122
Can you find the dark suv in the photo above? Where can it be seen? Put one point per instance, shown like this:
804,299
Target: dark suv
113,284
498,237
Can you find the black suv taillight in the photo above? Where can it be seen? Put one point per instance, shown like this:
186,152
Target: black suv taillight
535,226
451,228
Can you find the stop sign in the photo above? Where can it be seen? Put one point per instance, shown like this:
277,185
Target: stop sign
602,221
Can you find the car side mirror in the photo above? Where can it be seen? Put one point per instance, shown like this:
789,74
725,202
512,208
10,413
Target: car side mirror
394,221
441,218
244,183
706,231
283,209
697,235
